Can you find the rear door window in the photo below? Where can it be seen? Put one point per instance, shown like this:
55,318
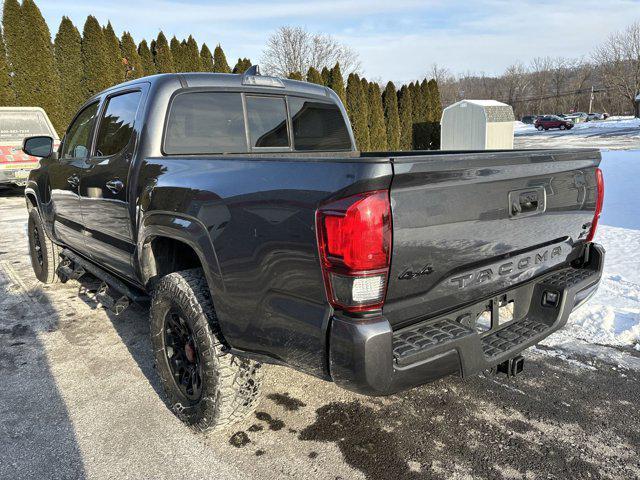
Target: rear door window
116,126
318,125
267,120
205,123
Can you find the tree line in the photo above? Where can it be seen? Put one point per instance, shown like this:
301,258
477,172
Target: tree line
549,85
60,75
384,119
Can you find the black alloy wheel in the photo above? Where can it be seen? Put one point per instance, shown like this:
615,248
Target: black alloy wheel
182,356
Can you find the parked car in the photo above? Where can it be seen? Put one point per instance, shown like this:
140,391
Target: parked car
17,123
576,117
239,209
597,116
529,119
553,121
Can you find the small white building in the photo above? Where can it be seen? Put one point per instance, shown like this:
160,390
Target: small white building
477,125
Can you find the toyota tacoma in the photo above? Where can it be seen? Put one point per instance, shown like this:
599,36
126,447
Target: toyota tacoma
239,209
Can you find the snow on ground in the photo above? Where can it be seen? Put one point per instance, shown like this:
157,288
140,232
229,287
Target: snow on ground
612,316
613,133
610,123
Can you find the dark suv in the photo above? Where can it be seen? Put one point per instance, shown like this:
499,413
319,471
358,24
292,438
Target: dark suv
553,121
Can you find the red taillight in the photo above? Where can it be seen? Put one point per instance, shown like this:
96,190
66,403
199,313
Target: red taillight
354,241
599,201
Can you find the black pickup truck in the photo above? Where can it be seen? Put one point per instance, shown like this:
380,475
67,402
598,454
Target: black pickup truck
240,209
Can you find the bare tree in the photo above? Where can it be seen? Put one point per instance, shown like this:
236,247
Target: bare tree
294,49
618,60
515,82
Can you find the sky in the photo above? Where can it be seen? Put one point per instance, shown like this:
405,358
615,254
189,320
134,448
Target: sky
396,40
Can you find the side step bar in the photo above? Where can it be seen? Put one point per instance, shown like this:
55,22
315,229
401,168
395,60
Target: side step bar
74,266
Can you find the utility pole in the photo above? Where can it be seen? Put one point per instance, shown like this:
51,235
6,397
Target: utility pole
591,99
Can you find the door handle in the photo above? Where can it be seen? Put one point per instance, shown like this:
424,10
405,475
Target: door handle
115,185
73,180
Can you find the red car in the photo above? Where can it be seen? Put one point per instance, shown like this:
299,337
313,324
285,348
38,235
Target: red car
553,121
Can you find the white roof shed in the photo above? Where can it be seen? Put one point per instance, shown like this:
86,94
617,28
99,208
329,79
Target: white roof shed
477,125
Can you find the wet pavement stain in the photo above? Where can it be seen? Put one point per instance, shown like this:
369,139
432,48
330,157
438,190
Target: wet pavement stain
274,423
239,439
286,401
364,444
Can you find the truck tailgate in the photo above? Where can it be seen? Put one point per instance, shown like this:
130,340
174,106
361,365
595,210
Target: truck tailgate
467,226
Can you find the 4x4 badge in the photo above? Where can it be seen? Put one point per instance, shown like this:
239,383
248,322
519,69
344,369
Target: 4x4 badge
408,274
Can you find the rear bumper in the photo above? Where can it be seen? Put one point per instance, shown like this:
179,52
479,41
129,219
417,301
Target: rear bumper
369,357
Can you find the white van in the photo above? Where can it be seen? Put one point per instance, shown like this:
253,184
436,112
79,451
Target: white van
16,123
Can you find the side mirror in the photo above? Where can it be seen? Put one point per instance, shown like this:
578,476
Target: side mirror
41,146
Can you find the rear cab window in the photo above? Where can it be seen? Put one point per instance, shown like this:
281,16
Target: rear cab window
215,122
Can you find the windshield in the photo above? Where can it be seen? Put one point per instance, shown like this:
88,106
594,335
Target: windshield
15,125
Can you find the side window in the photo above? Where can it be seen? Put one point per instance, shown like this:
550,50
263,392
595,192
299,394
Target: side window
205,122
318,125
76,141
267,119
116,126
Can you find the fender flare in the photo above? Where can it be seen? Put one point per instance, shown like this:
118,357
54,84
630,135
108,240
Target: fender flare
31,191
192,232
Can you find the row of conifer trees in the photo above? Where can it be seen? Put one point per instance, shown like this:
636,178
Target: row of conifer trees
408,119
59,76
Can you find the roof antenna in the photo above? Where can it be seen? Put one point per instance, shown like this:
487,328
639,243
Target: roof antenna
252,70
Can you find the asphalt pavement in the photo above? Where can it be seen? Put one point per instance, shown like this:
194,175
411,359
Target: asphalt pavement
79,398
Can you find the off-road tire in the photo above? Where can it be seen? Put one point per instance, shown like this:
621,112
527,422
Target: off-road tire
44,266
230,384
540,128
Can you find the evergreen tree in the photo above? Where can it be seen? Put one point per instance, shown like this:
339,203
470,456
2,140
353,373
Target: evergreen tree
391,116
326,75
16,39
377,129
295,76
367,110
220,64
67,48
162,55
7,96
424,126
419,111
130,56
357,109
242,65
336,83
146,59
405,110
94,58
115,68
43,81
192,62
177,53
206,58
313,76
435,111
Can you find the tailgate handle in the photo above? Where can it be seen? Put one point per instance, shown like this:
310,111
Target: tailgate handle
527,202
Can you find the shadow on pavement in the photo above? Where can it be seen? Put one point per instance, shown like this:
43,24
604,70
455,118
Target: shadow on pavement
37,437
